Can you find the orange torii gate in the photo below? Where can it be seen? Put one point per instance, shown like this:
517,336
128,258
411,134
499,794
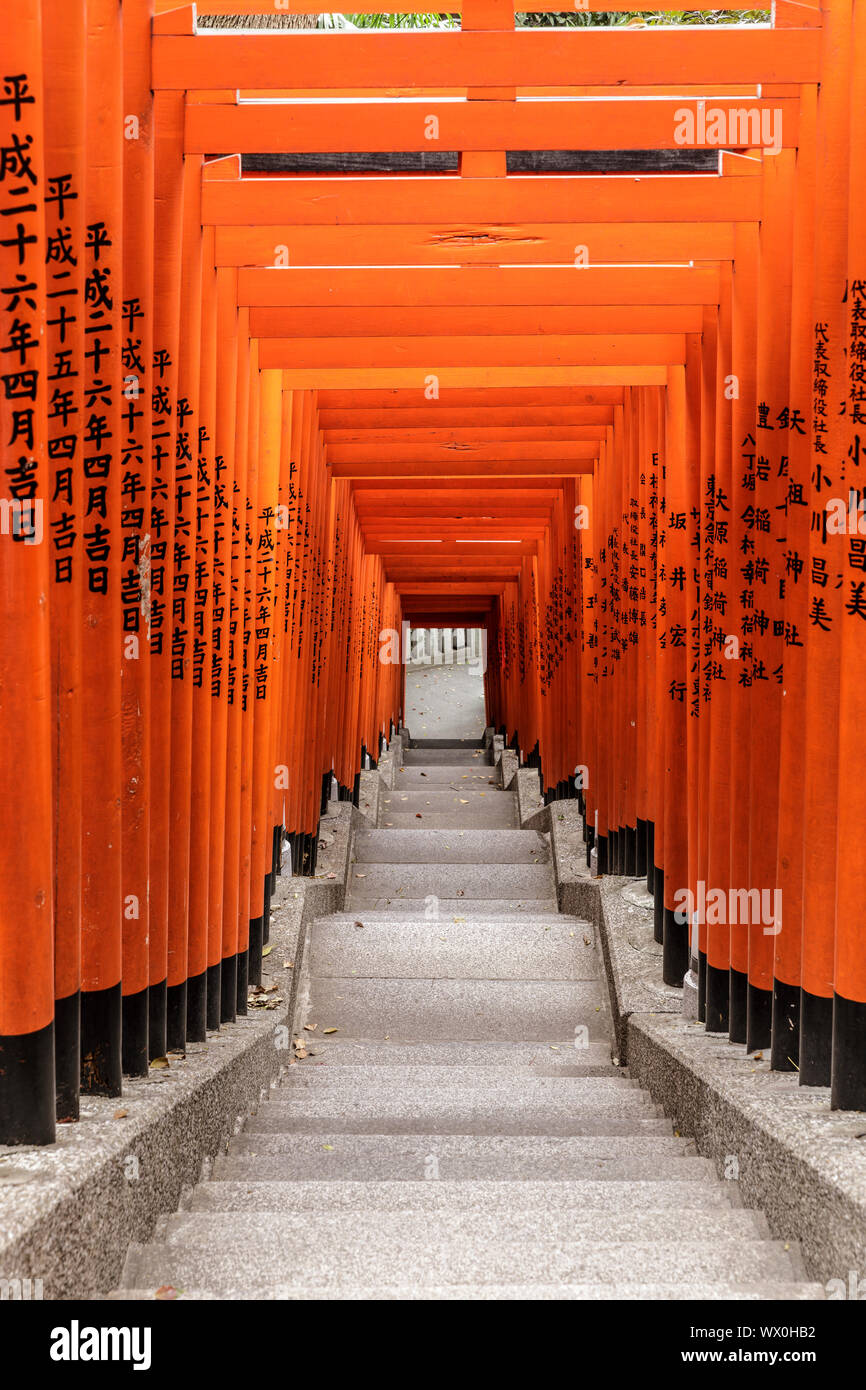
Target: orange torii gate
311,334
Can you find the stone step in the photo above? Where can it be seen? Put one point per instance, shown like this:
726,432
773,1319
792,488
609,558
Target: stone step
480,778
395,881
418,1082
447,757
414,1228
452,908
510,1157
446,949
494,1293
499,816
419,745
478,1199
560,1058
475,1114
446,799
434,1010
251,1265
456,846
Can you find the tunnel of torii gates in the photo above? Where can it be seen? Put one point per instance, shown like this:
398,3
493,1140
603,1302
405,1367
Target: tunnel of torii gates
310,335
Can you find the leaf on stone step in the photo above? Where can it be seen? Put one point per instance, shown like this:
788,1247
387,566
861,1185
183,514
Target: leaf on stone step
329,1148
554,1049
159,1064
311,1027
165,1292
330,1030
457,919
418,815
120,1114
359,924
266,951
288,965
464,801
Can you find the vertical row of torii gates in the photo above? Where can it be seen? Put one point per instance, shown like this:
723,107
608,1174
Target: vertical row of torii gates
566,339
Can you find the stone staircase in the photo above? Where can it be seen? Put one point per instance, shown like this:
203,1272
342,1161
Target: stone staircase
464,1134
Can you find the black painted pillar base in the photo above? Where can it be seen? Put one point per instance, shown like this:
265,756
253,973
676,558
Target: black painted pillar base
640,866
738,982
255,951
156,1020
175,1018
290,843
630,838
650,851
718,986
27,1096
276,856
214,997
67,1055
759,1018
228,989
266,914
134,1021
196,1008
785,1045
601,845
848,1082
816,1039
675,949
702,986
658,905
326,792
101,1066
589,835
242,983
100,1041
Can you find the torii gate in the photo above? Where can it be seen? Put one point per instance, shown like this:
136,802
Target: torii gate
413,327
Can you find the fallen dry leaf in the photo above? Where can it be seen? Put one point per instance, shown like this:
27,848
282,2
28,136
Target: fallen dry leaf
267,950
120,1114
166,1292
311,1027
160,1063
329,1030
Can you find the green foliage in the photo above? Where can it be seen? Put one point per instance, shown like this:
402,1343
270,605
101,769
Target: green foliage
562,19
